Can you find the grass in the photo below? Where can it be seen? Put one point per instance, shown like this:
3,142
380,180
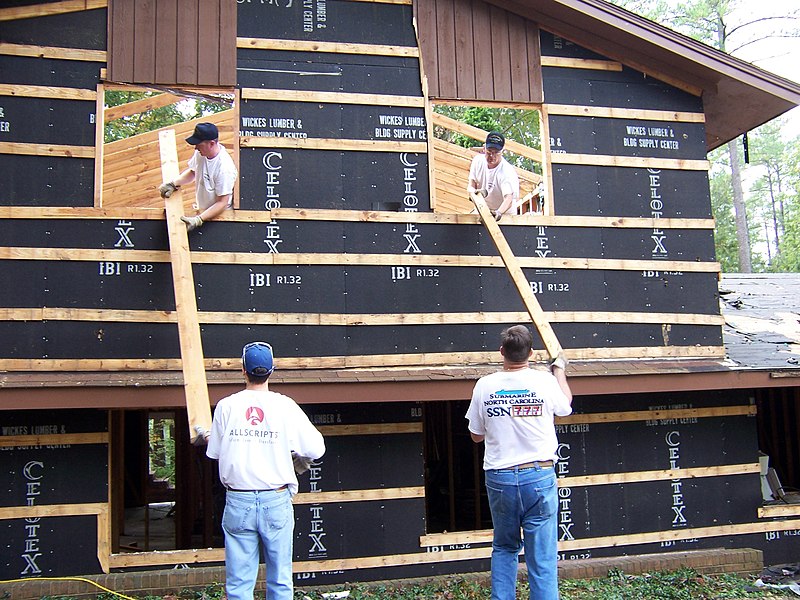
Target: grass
683,584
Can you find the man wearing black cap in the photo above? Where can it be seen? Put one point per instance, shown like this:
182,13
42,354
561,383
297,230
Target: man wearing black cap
258,436
493,177
213,169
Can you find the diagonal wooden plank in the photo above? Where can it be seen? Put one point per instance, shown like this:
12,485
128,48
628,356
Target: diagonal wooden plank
532,305
195,385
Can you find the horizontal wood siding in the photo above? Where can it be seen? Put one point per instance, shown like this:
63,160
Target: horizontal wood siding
473,51
173,42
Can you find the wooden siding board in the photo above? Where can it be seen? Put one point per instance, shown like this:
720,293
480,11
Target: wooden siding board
167,34
425,12
534,63
120,60
501,54
445,38
208,43
518,57
187,49
227,43
144,47
465,59
484,81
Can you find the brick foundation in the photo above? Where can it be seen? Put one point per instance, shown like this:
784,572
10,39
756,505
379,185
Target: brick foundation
172,581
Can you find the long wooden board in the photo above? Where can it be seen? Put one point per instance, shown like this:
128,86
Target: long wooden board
195,386
546,332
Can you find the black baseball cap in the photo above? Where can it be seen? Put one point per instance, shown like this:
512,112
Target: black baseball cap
202,133
495,140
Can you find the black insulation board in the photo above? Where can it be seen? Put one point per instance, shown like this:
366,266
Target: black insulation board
628,137
349,73
351,289
50,547
328,21
630,192
556,45
331,179
84,29
47,121
274,118
358,529
111,340
47,181
26,70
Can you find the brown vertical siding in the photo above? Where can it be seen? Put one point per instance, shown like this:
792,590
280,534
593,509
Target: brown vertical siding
473,51
169,42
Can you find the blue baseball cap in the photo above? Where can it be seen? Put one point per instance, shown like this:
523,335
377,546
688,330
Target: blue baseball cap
257,359
495,140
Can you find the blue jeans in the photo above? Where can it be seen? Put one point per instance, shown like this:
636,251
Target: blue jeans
524,499
251,518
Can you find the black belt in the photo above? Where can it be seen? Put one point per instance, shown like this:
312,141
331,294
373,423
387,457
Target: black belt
280,489
536,464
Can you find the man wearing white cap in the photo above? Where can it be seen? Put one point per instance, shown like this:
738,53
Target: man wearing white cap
258,436
213,169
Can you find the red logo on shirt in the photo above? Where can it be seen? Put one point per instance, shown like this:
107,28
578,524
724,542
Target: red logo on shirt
254,415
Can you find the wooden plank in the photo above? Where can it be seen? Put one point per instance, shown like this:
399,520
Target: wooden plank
51,313
227,48
581,63
482,50
517,276
370,429
52,52
601,160
208,42
465,71
535,79
43,91
100,147
51,510
47,150
331,47
657,475
445,44
359,495
304,258
53,8
198,405
773,511
10,441
658,415
331,97
625,113
518,61
333,144
140,106
144,41
501,54
436,359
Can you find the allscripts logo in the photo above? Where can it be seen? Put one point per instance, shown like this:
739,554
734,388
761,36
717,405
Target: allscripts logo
254,415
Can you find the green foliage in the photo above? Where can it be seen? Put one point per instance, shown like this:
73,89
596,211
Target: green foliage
125,127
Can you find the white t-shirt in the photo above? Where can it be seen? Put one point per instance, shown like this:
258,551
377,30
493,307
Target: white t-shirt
213,177
253,434
499,182
515,412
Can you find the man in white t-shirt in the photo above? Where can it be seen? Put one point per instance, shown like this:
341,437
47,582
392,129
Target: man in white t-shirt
214,171
258,437
512,411
494,177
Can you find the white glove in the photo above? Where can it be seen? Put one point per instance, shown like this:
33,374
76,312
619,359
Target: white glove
559,362
167,189
202,436
301,463
192,222
498,215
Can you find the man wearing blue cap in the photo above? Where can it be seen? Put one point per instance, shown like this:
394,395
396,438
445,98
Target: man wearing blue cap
493,177
258,436
213,169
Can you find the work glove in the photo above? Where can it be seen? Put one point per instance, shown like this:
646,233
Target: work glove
498,215
483,192
202,436
559,361
192,222
301,463
167,189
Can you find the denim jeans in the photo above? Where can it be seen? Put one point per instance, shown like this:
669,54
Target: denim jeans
254,520
524,499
